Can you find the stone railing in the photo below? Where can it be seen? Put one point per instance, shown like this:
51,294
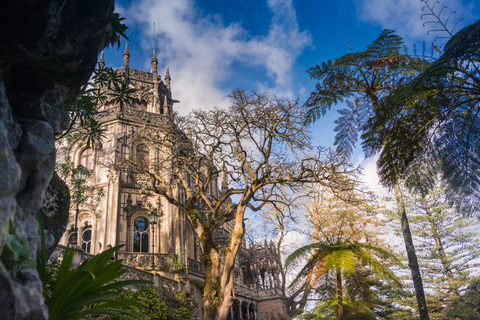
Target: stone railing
113,113
269,292
245,291
158,261
195,267
147,261
132,272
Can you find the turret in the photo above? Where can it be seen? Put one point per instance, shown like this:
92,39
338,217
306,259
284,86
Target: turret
165,105
101,61
167,80
126,57
224,177
154,65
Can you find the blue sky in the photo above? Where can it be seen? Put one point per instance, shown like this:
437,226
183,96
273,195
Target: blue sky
214,46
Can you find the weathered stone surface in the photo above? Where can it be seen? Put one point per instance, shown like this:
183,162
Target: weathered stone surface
48,49
55,210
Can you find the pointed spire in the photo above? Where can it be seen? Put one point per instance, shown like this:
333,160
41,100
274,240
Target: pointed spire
126,56
167,79
101,61
154,65
224,177
165,105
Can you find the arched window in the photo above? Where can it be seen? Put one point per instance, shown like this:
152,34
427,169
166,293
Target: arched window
71,234
86,158
87,238
143,155
140,235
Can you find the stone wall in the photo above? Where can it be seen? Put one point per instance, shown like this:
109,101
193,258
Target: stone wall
48,49
271,309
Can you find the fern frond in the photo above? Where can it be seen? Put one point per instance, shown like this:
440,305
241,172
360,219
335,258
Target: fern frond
351,120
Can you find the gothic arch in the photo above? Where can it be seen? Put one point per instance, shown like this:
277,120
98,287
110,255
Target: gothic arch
136,230
142,145
76,154
85,240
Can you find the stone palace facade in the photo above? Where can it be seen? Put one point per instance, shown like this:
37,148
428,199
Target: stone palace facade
120,215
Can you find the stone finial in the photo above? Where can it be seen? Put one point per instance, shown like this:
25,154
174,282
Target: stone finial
167,79
165,105
101,61
126,56
224,177
154,65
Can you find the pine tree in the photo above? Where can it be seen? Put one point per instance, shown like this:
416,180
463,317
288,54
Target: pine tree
446,247
369,78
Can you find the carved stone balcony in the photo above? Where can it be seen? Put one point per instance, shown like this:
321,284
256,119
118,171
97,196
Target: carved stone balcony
158,261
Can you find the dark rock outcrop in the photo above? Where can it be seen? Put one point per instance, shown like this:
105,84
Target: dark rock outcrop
55,211
48,49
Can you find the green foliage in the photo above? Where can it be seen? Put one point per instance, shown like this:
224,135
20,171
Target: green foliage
440,117
355,263
81,192
51,272
368,78
176,264
151,308
466,306
344,256
444,245
149,305
118,30
89,289
182,306
16,251
105,87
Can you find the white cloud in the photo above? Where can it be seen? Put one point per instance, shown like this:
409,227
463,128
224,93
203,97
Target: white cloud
200,50
370,176
404,16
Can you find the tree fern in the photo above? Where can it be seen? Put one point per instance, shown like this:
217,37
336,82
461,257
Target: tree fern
373,76
441,111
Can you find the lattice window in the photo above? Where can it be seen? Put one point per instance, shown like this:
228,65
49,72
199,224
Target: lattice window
87,238
140,235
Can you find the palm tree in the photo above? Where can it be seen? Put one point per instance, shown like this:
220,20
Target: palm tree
345,260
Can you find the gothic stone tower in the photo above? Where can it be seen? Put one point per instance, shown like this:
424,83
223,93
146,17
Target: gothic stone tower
120,216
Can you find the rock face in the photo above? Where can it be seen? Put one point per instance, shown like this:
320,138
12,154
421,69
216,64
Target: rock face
48,49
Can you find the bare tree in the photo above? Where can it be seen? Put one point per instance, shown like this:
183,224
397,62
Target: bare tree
258,144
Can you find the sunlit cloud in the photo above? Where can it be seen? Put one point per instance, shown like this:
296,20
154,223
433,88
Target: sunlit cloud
200,50
370,176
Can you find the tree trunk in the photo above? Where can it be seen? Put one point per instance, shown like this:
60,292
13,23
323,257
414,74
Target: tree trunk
412,257
211,284
441,251
219,279
339,294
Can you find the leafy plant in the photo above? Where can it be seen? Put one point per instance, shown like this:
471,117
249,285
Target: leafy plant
345,262
118,30
15,253
176,265
106,87
89,289
150,306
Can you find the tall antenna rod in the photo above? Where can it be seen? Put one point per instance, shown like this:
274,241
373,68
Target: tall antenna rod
154,36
